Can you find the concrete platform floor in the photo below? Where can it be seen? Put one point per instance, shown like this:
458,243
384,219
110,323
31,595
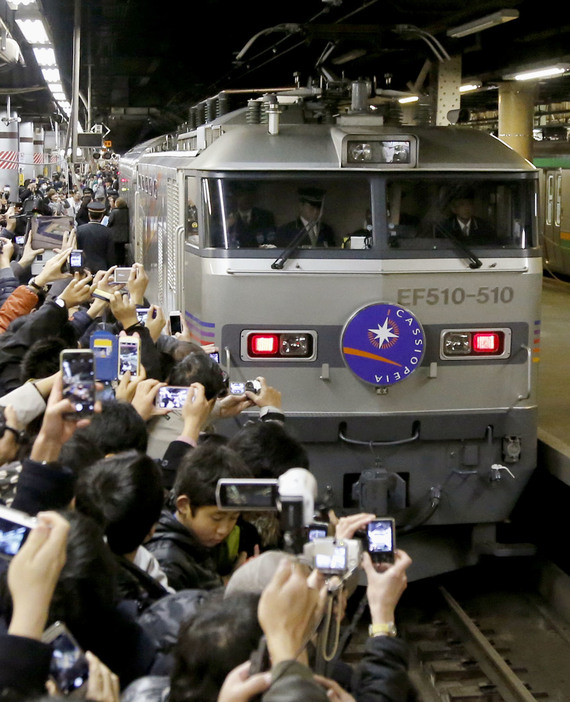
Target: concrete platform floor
554,379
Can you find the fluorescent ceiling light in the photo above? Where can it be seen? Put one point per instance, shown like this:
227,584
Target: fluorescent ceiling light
33,30
412,98
16,4
45,57
51,75
537,73
482,23
469,87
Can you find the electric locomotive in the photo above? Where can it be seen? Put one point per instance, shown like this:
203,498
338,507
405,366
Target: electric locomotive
405,348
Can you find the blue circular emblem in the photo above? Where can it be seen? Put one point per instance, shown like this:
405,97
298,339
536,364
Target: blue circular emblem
383,343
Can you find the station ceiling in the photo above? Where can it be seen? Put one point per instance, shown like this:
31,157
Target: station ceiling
148,63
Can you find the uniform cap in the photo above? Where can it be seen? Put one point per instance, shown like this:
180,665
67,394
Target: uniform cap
95,206
314,196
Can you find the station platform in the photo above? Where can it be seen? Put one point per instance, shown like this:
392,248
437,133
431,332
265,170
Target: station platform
554,380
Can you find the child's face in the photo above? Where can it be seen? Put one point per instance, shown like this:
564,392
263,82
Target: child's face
209,524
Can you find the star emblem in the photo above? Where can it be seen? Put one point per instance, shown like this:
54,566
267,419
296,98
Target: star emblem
383,333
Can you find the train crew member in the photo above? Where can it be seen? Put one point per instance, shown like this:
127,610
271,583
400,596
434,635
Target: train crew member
318,233
463,223
249,226
96,240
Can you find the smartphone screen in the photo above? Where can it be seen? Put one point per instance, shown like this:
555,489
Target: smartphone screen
237,388
142,314
175,323
171,397
381,540
14,530
129,356
68,667
78,371
76,261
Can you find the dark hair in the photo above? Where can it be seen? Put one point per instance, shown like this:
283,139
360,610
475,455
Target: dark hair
198,367
221,635
87,583
200,469
124,494
269,449
78,452
42,358
118,427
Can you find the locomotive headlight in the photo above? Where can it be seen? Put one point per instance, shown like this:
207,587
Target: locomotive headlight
296,345
359,151
278,345
456,343
469,344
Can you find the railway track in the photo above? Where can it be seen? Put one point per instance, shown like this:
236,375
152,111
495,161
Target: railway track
493,637
499,633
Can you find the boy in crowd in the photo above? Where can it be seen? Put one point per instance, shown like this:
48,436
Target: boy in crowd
190,539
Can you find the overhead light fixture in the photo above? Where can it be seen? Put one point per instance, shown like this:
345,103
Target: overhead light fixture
45,56
33,30
539,73
482,23
411,98
469,87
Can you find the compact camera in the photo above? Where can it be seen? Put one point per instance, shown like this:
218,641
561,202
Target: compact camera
249,385
333,556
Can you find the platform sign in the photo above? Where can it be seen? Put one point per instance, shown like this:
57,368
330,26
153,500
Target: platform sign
383,343
105,347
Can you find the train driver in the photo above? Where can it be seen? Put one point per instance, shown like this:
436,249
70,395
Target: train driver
248,225
464,224
309,219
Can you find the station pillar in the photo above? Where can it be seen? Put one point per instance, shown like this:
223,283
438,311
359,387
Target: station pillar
27,166
516,116
39,151
9,154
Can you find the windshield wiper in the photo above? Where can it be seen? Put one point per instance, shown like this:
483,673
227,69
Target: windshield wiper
284,256
474,261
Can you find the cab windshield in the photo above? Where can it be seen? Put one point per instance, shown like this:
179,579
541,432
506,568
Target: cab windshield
388,214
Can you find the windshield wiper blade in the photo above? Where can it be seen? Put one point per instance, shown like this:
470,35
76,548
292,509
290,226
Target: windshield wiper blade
474,261
284,256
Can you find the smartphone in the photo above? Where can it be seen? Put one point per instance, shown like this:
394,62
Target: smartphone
381,537
237,388
122,275
215,356
76,261
14,529
142,314
175,322
78,371
129,356
242,494
69,668
172,397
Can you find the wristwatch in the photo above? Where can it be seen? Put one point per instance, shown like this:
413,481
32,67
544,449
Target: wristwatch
384,629
33,284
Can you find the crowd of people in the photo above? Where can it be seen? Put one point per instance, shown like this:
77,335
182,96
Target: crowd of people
169,596
93,199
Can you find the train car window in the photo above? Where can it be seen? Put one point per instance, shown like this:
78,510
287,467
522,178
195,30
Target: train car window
192,229
313,213
435,214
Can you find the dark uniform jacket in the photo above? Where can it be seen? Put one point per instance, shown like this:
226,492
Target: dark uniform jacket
97,243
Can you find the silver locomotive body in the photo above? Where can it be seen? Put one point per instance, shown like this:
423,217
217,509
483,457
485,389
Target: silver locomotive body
405,353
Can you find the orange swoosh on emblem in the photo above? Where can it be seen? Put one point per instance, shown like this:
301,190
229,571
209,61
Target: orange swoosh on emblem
365,354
